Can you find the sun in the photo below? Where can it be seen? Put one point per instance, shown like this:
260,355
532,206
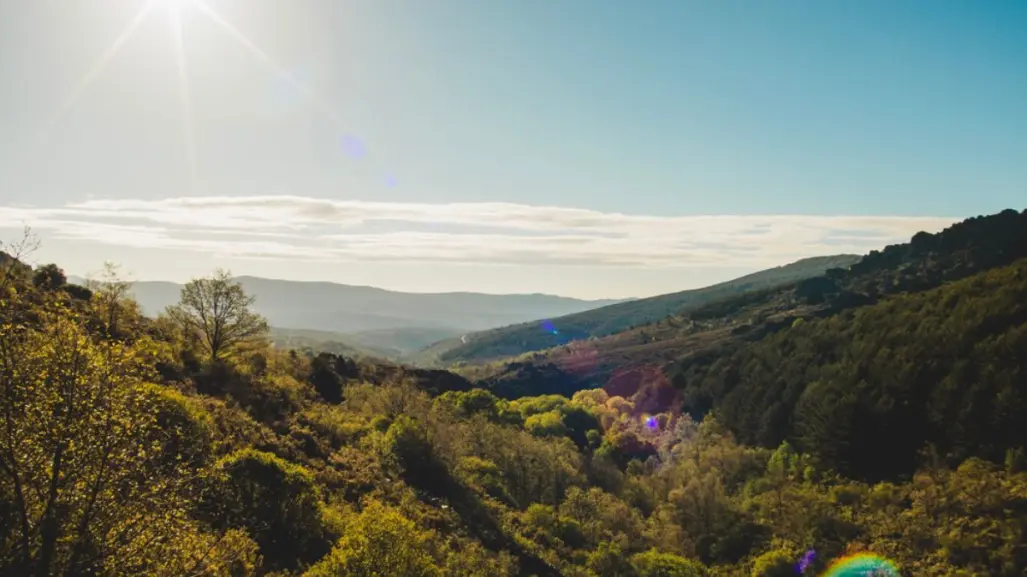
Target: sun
174,11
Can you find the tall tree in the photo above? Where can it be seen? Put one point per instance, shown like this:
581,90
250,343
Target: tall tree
216,311
86,483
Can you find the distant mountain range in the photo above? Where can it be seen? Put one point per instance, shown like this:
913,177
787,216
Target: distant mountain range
374,320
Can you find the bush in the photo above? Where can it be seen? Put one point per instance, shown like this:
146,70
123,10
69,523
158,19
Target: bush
380,542
276,502
655,564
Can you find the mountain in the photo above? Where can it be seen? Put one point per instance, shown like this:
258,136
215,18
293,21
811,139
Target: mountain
907,368
534,336
367,317
392,344
870,387
642,363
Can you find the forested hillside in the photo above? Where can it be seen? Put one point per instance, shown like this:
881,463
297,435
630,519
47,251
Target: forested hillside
867,389
188,445
542,334
643,360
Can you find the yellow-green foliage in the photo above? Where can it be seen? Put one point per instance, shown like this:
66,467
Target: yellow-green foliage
379,542
652,563
276,502
775,563
91,478
122,452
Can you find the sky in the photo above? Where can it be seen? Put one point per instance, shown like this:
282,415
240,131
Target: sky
588,148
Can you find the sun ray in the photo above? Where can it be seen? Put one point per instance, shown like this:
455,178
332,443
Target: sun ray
188,128
91,75
268,61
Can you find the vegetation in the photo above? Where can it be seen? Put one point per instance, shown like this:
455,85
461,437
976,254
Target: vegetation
643,361
128,446
867,389
375,319
535,336
215,311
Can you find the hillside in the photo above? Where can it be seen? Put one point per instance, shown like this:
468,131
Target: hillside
370,319
394,344
867,389
126,453
328,342
643,360
534,336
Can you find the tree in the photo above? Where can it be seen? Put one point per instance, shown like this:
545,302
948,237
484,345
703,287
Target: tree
775,563
12,269
49,277
275,501
217,312
111,297
87,485
380,542
652,563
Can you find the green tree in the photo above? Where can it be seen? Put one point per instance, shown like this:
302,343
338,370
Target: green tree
776,563
216,311
652,563
276,502
380,542
609,561
85,478
49,277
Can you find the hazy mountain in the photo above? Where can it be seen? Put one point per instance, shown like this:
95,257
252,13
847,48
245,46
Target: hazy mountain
389,319
391,344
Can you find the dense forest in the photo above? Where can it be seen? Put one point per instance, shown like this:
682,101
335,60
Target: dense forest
867,389
188,445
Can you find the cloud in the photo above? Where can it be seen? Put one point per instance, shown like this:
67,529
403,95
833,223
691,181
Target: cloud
302,228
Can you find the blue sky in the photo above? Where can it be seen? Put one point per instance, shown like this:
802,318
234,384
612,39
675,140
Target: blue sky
587,144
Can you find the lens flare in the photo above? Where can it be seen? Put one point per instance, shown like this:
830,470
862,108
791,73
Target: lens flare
863,565
806,561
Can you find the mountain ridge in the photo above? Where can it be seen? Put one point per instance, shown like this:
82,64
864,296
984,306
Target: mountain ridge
523,338
373,320
646,361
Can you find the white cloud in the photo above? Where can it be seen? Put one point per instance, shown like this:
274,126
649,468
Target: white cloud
301,228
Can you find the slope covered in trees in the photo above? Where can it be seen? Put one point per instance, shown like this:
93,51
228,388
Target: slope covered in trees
538,335
867,389
642,361
130,447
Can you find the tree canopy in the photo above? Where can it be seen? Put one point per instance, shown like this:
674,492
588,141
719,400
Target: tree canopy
167,446
217,311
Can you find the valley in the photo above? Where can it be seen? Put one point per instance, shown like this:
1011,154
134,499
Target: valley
841,404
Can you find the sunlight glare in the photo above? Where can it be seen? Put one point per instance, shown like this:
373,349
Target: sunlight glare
173,6
189,132
93,72
243,40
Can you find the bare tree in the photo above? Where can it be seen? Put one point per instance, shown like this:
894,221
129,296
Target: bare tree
12,256
217,312
110,296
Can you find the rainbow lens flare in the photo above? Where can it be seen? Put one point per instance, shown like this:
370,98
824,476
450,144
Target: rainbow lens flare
862,565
